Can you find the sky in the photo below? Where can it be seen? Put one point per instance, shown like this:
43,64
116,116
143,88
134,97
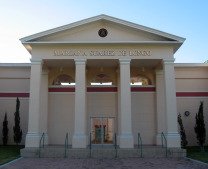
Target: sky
184,18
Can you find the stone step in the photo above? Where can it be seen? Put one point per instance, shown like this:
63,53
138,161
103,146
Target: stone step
96,152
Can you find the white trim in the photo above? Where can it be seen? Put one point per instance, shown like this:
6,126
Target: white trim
80,61
18,65
191,78
10,162
21,78
191,91
103,42
60,86
187,97
66,93
14,98
197,161
151,92
103,92
148,86
190,65
14,91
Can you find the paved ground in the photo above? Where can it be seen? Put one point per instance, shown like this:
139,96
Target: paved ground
130,163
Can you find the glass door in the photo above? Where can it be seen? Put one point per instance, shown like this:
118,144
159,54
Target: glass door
102,129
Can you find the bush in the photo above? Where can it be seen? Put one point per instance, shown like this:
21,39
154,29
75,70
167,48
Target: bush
5,130
200,127
184,142
16,128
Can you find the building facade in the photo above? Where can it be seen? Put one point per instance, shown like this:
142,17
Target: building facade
101,76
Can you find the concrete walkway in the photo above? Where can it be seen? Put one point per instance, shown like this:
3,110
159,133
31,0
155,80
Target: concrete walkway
130,163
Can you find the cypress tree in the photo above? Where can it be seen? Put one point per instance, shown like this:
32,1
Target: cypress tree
16,128
184,142
5,130
200,127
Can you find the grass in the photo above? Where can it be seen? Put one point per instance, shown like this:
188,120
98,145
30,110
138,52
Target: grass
197,154
9,153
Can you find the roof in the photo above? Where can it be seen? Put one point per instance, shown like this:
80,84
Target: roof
15,65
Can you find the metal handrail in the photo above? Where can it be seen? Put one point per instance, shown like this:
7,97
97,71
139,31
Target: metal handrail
66,145
90,145
164,141
115,145
140,144
42,139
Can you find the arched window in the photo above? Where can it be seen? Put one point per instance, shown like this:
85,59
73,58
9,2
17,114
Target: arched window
140,80
63,79
101,79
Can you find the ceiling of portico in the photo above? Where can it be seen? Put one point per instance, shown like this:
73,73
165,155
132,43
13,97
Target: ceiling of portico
102,63
105,63
90,63
59,63
148,63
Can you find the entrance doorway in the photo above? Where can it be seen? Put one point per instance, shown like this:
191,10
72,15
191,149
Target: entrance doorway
102,130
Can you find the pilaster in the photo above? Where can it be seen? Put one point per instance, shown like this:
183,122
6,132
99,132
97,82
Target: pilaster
125,137
33,135
44,104
173,137
79,139
160,104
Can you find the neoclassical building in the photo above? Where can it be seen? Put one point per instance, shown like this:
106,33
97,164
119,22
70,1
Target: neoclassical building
104,75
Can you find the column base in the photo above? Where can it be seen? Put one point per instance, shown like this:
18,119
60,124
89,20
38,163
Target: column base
32,139
126,141
158,139
173,140
45,138
79,141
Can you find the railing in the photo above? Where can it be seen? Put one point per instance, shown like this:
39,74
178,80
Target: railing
164,143
41,143
66,145
140,145
90,145
115,145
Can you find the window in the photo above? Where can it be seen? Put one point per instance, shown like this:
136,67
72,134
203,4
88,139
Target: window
140,80
101,80
64,80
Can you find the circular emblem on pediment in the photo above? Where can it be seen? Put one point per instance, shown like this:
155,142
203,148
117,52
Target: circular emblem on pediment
102,32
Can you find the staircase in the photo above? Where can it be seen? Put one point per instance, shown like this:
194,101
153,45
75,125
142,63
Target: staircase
102,152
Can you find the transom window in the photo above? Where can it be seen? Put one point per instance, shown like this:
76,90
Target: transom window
140,80
101,79
64,80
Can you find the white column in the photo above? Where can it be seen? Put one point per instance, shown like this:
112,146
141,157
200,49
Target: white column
173,137
126,137
33,134
118,107
79,139
44,104
160,101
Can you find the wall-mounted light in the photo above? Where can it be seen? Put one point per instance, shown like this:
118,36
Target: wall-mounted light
186,113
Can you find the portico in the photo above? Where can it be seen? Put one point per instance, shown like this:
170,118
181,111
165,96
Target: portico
135,62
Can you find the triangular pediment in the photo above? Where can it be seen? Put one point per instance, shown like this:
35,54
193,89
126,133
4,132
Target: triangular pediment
118,31
90,33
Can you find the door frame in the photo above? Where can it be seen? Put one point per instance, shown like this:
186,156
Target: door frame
102,132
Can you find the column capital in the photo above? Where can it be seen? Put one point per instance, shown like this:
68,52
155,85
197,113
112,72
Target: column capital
36,61
159,72
169,61
80,61
45,72
124,61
